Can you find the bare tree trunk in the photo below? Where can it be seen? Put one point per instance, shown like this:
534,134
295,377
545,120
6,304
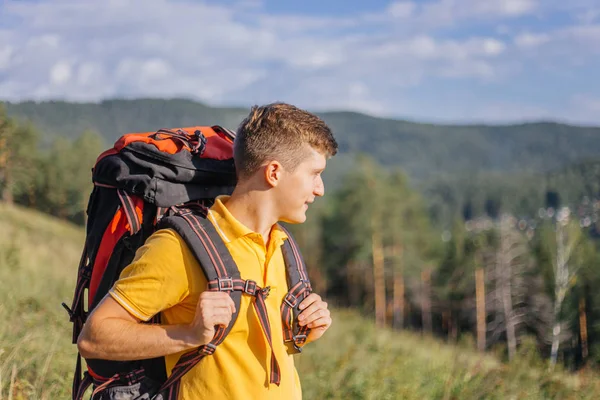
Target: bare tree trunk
398,321
510,263
480,296
583,329
378,278
510,326
561,281
555,335
426,301
505,263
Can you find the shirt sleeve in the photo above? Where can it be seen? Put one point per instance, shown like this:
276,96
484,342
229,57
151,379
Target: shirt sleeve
157,278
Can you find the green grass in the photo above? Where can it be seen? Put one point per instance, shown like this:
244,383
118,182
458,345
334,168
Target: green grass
357,361
354,360
38,263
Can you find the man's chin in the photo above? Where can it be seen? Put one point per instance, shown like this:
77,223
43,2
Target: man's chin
295,219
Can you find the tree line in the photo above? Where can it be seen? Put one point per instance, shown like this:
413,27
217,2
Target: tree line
54,178
375,243
493,276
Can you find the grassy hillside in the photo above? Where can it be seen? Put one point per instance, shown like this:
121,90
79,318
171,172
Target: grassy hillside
423,150
38,259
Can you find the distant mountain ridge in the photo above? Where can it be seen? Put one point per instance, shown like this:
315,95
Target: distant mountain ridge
423,150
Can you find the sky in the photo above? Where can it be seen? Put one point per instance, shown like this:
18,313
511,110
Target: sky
456,61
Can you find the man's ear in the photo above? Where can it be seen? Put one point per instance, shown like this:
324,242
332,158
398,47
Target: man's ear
273,173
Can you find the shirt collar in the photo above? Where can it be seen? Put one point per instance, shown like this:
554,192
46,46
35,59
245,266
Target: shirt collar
231,229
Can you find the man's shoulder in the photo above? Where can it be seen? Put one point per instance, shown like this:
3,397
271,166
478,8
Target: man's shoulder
165,237
166,246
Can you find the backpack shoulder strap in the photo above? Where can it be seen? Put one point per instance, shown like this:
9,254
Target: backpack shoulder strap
299,288
219,268
208,248
222,274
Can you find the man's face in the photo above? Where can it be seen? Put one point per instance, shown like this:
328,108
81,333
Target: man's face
300,187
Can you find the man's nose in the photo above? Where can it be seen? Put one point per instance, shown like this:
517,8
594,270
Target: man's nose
319,188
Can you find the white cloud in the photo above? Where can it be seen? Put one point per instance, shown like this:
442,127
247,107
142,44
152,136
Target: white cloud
212,47
60,73
6,53
45,40
402,9
241,54
295,24
453,12
528,40
480,69
428,48
423,47
569,43
249,4
513,7
587,33
493,47
155,68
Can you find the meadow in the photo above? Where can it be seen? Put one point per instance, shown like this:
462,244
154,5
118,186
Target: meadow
354,360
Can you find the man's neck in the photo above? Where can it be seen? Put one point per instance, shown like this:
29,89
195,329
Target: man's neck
254,209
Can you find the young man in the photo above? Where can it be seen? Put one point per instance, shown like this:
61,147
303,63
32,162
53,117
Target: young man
280,152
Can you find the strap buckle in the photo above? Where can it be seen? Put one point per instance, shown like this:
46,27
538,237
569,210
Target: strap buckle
208,349
307,284
250,287
290,300
298,341
225,284
299,338
265,291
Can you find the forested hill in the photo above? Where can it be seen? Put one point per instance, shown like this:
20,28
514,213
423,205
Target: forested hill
423,150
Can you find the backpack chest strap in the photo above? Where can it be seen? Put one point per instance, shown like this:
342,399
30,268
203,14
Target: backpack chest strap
247,286
191,358
251,288
223,275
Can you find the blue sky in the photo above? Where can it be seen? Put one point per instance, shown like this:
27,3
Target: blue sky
496,61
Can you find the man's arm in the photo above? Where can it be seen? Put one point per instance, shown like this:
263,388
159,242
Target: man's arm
112,333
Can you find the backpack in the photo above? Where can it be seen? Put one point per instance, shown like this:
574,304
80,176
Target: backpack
156,180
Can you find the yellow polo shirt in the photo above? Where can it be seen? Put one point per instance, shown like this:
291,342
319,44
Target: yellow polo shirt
165,277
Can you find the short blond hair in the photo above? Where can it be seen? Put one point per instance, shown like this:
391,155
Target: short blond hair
279,131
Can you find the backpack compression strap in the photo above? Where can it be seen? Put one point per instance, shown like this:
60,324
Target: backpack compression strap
134,219
77,312
299,288
222,274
